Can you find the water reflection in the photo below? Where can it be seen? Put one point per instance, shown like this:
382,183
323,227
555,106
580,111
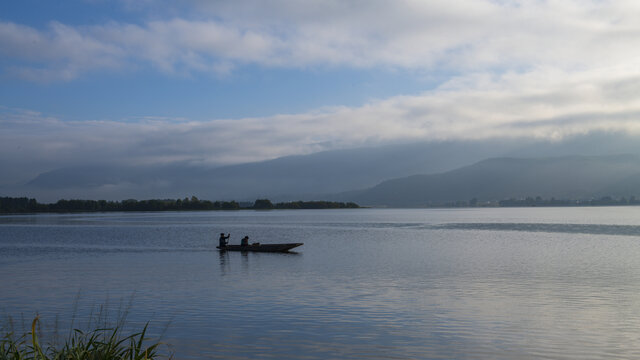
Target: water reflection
245,262
515,284
224,265
596,229
229,260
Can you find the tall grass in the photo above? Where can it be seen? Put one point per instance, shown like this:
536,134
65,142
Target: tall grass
100,342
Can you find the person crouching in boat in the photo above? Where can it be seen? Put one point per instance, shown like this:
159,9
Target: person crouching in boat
244,241
223,240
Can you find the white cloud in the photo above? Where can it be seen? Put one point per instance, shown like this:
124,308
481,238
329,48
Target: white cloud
546,69
463,35
61,53
546,104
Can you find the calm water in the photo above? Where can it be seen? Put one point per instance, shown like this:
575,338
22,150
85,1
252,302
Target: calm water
387,284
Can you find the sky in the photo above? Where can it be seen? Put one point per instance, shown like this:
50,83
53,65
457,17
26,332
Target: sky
224,82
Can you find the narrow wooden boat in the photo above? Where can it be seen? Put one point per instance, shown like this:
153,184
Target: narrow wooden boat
261,247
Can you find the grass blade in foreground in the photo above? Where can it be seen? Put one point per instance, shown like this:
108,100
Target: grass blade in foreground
101,343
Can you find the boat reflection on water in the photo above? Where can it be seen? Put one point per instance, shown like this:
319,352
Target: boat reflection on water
257,247
226,261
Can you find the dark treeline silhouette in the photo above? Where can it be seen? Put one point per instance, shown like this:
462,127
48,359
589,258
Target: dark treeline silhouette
26,205
539,201
262,204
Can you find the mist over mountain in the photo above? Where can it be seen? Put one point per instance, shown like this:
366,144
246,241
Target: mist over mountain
315,176
288,178
568,177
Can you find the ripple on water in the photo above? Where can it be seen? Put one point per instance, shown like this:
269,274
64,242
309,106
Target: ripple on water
387,284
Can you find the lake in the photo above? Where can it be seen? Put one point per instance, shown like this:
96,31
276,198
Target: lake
494,283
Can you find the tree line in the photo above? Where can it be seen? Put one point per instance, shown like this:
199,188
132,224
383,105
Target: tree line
538,201
266,204
27,205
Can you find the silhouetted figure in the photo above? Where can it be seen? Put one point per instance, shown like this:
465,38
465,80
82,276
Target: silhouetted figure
244,241
223,239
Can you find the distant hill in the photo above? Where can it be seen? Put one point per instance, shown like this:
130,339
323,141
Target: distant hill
304,177
568,177
309,177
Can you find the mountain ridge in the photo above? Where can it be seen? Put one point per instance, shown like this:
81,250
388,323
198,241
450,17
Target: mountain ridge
571,177
296,177
318,176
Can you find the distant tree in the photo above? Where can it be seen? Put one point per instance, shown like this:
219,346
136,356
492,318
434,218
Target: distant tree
262,204
230,205
26,205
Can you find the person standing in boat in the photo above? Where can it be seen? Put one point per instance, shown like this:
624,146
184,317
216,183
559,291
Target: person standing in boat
223,240
244,241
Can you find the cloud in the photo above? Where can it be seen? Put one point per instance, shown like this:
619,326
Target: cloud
216,37
523,69
61,53
545,104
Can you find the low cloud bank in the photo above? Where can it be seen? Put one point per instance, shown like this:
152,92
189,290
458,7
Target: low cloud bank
545,104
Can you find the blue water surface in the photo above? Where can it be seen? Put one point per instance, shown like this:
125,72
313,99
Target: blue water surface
497,283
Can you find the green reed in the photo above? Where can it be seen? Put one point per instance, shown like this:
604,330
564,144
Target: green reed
100,343
103,341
